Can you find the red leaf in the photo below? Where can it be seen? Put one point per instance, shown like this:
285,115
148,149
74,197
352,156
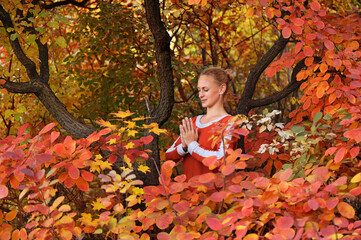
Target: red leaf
355,191
330,151
354,151
286,32
73,172
211,162
22,129
218,196
329,45
164,221
53,136
4,191
180,178
206,178
353,134
298,21
147,139
355,84
214,223
331,203
163,236
337,63
284,222
228,169
308,51
182,206
47,128
82,184
315,6
43,158
313,204
340,154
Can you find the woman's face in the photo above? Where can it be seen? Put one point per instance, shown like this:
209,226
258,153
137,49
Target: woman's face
209,91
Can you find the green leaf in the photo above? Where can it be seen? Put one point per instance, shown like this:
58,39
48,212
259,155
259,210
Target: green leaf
327,117
43,14
40,29
297,129
13,36
317,117
61,42
32,38
8,113
54,24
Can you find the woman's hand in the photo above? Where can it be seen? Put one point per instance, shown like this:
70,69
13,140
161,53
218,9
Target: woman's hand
188,132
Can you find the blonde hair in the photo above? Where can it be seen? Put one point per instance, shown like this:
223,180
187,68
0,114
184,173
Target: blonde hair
220,76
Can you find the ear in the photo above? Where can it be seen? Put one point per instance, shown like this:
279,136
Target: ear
222,88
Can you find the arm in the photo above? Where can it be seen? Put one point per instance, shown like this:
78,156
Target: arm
175,152
200,152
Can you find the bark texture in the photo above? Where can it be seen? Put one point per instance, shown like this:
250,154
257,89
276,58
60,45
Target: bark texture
163,110
39,81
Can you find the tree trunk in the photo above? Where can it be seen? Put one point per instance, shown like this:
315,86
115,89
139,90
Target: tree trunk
165,77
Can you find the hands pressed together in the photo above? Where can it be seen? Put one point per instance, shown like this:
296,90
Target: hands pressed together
187,132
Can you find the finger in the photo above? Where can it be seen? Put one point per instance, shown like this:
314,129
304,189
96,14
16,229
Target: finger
186,125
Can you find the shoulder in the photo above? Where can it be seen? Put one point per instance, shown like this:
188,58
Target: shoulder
225,119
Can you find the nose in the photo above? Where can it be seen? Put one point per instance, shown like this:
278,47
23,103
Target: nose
200,93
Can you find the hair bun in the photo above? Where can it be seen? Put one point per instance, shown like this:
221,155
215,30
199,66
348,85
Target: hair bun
229,73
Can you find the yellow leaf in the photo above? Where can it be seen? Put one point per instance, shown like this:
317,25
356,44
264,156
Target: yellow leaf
143,168
122,114
106,124
131,133
97,205
112,141
129,145
130,124
138,191
356,178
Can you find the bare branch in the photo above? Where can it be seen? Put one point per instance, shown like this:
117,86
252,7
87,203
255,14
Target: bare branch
244,104
65,2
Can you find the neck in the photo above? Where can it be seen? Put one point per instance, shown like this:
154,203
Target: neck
216,110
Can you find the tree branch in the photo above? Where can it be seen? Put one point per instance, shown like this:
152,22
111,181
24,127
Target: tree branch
28,64
25,87
244,104
44,61
65,2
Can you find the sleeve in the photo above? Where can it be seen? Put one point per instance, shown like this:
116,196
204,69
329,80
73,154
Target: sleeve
175,152
199,152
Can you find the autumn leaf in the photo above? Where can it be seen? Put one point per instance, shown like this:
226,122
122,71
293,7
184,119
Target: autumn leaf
143,168
346,210
122,114
3,191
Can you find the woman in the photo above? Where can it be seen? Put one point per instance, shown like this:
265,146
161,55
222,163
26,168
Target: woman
194,143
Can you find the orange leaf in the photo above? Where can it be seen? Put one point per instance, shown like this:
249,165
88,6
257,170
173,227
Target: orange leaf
82,184
346,210
206,178
228,169
73,172
87,175
10,215
251,236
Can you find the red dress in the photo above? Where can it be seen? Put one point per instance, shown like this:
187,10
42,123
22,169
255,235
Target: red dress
205,147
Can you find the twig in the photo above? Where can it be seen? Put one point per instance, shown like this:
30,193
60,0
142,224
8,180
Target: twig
165,190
